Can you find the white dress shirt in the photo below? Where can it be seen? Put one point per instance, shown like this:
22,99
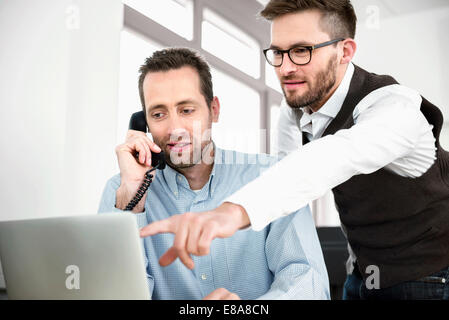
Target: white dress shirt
389,132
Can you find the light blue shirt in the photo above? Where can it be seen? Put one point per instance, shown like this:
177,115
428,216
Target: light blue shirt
282,261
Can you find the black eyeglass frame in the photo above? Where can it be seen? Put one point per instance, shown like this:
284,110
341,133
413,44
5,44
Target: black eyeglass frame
310,48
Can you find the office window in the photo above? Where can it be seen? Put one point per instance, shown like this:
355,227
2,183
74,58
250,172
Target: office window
232,50
176,15
274,117
271,78
230,44
239,123
134,49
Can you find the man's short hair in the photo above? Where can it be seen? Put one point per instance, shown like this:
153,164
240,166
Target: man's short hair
176,58
338,16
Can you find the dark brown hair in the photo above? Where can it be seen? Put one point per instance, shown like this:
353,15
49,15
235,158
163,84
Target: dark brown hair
176,58
338,16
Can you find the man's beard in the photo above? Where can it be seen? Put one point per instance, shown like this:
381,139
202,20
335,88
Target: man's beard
185,161
324,82
194,157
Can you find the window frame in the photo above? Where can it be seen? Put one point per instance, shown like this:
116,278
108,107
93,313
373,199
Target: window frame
154,31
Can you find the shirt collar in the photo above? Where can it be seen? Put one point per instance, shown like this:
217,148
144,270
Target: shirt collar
334,103
170,176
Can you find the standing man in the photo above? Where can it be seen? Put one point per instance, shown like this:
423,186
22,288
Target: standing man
371,141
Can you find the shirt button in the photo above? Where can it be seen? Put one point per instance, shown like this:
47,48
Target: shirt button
175,193
203,277
179,178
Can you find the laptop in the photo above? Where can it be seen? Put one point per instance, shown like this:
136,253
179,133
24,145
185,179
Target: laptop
79,257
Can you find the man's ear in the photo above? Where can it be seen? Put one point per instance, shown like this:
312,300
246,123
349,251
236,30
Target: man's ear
215,109
349,49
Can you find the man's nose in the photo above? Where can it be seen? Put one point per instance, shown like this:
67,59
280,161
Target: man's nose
175,122
287,66
177,131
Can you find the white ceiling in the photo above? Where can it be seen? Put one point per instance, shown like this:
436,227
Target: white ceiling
394,8
391,7
244,12
397,7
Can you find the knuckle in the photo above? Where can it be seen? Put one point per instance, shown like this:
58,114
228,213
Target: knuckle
203,248
211,225
130,137
147,140
187,216
120,148
191,248
195,219
142,140
141,148
178,247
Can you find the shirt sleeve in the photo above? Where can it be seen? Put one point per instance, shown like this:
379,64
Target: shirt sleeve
295,257
107,204
386,130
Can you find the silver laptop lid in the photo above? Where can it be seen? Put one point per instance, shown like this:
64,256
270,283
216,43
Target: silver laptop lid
80,257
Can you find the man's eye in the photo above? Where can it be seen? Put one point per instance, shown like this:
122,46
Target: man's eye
157,115
277,52
187,111
300,51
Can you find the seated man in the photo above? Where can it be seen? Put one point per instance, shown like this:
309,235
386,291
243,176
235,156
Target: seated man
283,261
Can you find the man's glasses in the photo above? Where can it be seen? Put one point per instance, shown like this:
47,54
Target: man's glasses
300,55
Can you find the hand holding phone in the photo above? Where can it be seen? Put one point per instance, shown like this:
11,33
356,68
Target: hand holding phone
138,157
138,124
135,157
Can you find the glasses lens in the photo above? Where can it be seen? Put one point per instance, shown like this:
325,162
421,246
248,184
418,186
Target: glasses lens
274,57
300,55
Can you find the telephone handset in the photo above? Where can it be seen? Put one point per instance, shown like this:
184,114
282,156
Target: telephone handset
138,122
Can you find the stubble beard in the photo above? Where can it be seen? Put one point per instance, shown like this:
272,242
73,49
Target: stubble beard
323,84
199,148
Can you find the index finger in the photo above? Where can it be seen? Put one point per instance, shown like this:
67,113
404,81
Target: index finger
162,226
134,133
140,134
153,146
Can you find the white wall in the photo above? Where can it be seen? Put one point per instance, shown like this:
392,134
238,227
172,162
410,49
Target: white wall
408,40
59,63
59,91
411,45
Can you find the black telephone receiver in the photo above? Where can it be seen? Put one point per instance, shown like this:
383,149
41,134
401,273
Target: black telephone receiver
138,122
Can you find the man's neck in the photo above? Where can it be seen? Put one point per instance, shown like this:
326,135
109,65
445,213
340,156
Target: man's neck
340,75
198,175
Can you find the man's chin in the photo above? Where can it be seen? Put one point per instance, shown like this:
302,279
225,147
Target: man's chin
182,165
296,103
294,99
180,160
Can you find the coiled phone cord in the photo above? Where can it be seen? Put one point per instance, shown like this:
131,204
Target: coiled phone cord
141,191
